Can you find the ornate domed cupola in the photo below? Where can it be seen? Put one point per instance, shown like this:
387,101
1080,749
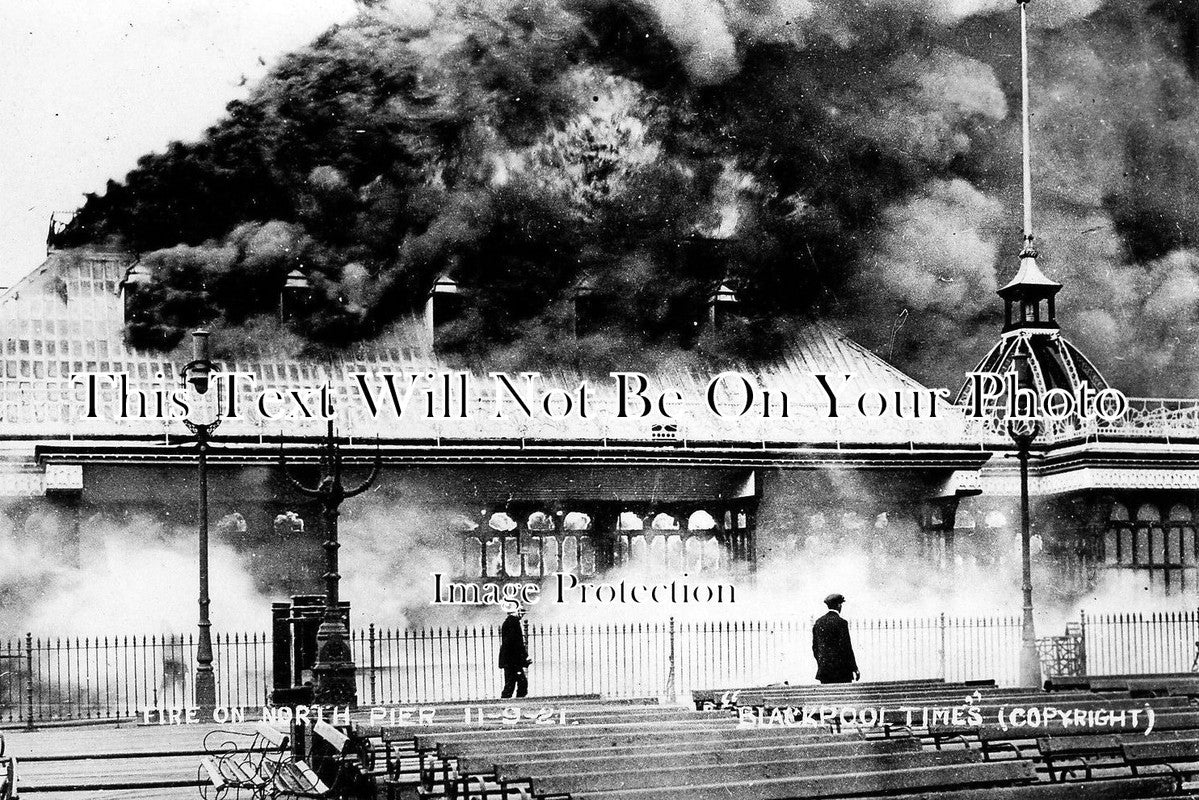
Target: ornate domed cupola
1031,344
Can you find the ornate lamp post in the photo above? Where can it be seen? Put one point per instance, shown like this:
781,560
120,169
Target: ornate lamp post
1024,433
333,673
197,373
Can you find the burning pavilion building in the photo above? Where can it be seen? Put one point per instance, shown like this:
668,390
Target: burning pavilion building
520,496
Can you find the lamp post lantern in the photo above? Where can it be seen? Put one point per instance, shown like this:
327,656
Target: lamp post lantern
198,373
333,673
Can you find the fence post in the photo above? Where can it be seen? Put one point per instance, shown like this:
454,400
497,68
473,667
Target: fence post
29,678
1082,641
670,676
371,637
941,647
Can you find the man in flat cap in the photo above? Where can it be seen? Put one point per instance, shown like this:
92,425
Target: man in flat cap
835,662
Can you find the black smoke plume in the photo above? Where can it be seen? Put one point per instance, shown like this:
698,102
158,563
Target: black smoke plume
852,159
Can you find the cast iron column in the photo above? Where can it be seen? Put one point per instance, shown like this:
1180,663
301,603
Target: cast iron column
333,673
1024,433
197,373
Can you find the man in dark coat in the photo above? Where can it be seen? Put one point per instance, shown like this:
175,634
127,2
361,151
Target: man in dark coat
835,662
514,656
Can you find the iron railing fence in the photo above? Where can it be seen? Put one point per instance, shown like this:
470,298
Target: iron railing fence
43,678
1157,642
118,677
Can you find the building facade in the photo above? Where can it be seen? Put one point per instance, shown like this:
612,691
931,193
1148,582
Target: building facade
524,495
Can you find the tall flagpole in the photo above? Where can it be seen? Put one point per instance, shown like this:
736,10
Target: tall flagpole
1024,127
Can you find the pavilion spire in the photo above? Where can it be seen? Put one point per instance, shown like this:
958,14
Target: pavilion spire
1028,297
1028,250
1031,344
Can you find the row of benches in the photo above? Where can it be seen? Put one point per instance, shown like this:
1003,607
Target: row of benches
632,749
662,752
1078,746
702,745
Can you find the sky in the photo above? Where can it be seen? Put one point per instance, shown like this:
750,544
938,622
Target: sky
87,87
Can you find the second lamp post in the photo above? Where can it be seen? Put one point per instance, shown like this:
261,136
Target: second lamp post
198,373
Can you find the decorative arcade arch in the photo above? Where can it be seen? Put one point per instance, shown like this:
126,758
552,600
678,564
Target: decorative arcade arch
536,542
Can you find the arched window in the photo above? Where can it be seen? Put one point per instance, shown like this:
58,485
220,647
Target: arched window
664,522
629,521
700,521
1147,544
1119,512
1148,513
500,521
577,521
1180,513
540,521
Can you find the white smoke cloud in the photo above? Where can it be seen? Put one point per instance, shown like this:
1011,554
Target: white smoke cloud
388,558
139,577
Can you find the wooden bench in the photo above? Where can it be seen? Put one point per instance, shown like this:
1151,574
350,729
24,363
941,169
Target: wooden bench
913,697
450,764
929,779
668,759
645,758
718,696
533,731
262,774
604,741
993,739
1140,684
1065,755
732,774
1115,789
1180,756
